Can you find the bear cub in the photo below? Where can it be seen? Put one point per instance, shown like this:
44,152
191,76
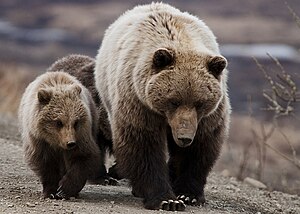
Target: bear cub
82,67
58,124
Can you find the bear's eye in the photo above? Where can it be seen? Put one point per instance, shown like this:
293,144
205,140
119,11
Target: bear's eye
198,105
59,124
175,103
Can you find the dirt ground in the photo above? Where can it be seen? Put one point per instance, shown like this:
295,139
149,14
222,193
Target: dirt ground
20,190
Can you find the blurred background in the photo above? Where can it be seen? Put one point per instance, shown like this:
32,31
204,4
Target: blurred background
264,140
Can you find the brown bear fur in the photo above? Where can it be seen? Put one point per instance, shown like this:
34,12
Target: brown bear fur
58,124
162,80
82,67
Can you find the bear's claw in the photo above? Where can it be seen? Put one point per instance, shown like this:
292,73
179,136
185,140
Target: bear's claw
188,200
173,205
60,194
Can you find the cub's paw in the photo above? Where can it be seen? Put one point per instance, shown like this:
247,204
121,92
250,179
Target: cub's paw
173,205
191,200
60,194
48,192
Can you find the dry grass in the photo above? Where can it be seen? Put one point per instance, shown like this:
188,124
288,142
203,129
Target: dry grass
241,151
13,80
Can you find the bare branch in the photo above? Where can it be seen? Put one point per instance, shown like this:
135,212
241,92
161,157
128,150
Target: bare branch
296,163
295,16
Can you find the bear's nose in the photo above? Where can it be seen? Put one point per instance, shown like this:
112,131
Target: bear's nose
71,144
185,141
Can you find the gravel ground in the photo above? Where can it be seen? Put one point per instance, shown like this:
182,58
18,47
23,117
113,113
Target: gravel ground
20,190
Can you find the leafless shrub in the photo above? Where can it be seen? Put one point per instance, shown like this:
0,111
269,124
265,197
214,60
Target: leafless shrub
282,97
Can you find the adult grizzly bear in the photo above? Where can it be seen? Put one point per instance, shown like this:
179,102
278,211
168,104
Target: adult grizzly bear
162,79
82,67
58,124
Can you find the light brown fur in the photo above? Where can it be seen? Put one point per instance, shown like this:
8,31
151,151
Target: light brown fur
58,124
82,68
162,80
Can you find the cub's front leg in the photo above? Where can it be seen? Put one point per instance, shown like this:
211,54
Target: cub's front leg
78,169
46,163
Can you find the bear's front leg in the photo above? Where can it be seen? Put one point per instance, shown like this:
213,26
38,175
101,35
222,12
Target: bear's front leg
190,166
50,175
141,157
46,164
78,169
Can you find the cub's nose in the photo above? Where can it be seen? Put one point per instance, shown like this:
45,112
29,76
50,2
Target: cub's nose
185,141
71,145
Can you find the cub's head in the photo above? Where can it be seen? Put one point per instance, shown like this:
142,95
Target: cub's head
63,115
184,87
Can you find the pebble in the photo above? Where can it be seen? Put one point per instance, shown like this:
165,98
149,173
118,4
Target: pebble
225,173
10,205
30,204
255,183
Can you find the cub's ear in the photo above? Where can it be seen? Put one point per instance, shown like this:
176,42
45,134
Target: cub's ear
216,65
44,96
77,89
163,57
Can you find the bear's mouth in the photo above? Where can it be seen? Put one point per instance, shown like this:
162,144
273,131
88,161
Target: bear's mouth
184,142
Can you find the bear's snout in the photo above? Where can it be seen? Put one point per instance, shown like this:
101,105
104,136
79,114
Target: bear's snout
71,145
184,125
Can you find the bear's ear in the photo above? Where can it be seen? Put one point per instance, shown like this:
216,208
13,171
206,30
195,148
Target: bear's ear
216,65
162,58
44,96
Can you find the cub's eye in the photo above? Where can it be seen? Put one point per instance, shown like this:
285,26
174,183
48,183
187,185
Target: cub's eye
59,124
175,103
76,124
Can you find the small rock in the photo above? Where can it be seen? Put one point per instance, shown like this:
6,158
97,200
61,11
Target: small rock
228,188
30,204
225,173
10,205
255,183
17,197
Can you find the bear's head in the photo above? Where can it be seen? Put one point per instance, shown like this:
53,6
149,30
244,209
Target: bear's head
184,87
63,116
